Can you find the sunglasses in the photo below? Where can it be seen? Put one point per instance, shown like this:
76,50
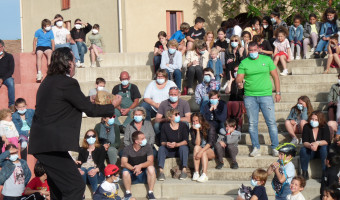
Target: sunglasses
174,88
90,136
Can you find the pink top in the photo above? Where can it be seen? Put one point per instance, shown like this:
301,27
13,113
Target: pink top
282,46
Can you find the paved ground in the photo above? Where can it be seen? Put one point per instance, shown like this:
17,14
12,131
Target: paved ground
13,46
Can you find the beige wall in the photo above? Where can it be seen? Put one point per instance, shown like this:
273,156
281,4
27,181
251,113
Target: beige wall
145,18
102,12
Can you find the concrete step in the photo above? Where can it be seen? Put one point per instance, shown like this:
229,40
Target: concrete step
123,59
306,88
313,70
221,197
307,63
144,72
312,78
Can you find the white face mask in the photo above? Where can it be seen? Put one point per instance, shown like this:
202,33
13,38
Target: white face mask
95,31
338,79
59,23
47,28
77,26
265,26
100,88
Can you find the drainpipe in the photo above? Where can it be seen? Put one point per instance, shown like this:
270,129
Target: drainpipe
21,27
120,26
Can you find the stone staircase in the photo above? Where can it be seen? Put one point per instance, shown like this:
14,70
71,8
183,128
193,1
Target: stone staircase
306,79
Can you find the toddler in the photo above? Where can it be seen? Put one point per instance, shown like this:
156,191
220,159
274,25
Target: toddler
295,36
96,46
215,64
297,186
333,53
282,49
8,132
311,34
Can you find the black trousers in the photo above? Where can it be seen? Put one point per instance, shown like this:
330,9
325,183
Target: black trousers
192,72
63,176
34,196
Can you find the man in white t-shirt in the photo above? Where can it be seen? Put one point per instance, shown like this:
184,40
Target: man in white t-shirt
62,37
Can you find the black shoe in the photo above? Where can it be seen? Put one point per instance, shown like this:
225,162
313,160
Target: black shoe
220,165
151,196
121,129
305,175
323,54
127,196
316,55
234,165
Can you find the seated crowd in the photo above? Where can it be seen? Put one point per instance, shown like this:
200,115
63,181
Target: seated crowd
211,133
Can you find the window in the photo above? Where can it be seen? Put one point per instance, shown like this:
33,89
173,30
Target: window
173,22
65,4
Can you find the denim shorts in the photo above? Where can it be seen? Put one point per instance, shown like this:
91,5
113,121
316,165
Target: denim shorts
141,178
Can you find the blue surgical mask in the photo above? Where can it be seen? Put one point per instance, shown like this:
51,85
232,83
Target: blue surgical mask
273,20
235,74
116,180
160,80
125,82
314,124
21,112
91,140
13,157
111,121
299,106
207,78
143,142
197,125
214,101
138,118
177,119
172,51
253,182
173,99
254,55
234,44
202,52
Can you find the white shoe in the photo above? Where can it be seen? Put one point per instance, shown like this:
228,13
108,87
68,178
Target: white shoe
203,178
284,72
190,91
82,65
256,152
39,76
84,115
312,50
78,64
298,58
275,153
93,65
295,141
99,59
195,176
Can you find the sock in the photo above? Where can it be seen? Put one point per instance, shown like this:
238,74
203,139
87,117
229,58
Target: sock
128,192
39,71
150,191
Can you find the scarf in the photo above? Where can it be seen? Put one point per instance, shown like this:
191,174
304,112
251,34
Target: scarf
107,133
171,58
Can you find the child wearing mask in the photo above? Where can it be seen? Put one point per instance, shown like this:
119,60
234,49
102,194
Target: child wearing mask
333,53
297,186
22,120
14,174
282,51
8,132
258,181
221,45
97,45
215,64
311,34
328,29
43,43
298,117
295,37
284,171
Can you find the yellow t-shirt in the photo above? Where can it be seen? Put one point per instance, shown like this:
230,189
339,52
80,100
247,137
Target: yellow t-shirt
313,29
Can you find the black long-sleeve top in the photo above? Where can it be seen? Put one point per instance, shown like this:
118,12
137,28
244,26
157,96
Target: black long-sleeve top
6,66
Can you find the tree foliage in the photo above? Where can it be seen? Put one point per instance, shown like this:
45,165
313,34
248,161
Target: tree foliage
287,8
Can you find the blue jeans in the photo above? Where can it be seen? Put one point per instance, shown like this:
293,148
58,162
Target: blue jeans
177,74
204,102
322,46
94,181
253,105
150,113
9,82
82,49
157,62
73,47
182,152
284,194
307,154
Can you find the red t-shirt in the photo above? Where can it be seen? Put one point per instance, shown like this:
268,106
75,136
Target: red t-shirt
36,184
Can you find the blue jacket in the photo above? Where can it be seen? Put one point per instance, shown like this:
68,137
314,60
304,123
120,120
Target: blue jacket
324,27
7,168
293,115
179,36
18,122
218,67
101,194
295,34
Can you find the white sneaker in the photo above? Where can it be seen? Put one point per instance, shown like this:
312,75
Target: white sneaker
312,50
295,141
284,72
39,76
78,64
93,65
298,58
190,91
82,65
203,178
195,176
99,59
256,152
84,115
275,153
